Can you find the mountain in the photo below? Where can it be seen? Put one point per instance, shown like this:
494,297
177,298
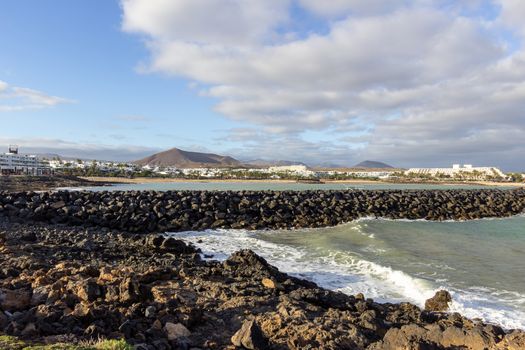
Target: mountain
263,163
372,164
185,159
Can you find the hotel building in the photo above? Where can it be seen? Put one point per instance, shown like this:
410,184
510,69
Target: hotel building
466,170
12,163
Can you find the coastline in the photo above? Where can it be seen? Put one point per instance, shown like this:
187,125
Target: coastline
151,290
18,183
143,180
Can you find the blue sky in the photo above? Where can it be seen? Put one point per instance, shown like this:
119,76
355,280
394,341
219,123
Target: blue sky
413,83
77,50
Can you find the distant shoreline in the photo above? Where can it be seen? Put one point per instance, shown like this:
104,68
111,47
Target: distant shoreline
139,180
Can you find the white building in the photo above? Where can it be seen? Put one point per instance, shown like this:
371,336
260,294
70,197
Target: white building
12,163
356,173
295,169
466,171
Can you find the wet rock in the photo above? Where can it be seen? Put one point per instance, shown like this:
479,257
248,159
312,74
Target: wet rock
177,246
439,302
250,337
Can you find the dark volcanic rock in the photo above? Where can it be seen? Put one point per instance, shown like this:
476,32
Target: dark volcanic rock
150,211
100,280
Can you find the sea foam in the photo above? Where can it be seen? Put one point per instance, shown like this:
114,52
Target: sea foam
351,274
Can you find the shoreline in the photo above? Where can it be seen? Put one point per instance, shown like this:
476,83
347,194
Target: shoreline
145,180
153,290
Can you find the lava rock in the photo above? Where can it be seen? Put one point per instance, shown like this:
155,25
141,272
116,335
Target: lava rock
439,302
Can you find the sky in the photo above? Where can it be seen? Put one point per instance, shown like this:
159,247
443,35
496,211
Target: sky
410,83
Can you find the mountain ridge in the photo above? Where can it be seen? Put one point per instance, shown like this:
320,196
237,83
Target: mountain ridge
181,158
372,164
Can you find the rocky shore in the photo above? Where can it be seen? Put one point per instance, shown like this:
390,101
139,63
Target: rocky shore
150,211
62,284
17,183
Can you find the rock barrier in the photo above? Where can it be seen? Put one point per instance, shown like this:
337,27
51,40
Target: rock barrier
151,211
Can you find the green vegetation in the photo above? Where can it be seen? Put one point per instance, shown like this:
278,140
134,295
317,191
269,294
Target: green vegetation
516,177
13,343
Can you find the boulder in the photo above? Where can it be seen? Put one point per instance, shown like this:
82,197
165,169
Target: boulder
250,336
175,331
88,290
439,302
14,300
513,341
268,283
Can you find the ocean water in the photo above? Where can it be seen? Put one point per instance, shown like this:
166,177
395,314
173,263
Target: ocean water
481,262
276,186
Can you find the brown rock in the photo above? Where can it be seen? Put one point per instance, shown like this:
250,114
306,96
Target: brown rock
129,290
106,275
470,339
250,336
88,290
513,341
14,300
439,302
166,291
268,283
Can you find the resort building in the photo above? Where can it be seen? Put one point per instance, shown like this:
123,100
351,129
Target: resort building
356,173
12,163
294,169
466,171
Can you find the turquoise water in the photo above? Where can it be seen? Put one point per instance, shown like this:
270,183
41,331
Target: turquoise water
481,262
277,186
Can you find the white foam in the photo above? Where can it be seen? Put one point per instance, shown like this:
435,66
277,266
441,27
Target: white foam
351,274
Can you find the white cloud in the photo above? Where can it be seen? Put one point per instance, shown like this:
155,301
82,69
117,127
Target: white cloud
20,98
37,97
411,74
203,21
512,15
340,8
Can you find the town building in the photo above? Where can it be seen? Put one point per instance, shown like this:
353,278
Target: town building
293,169
466,171
12,163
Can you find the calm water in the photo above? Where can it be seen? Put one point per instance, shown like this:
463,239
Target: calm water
277,186
481,262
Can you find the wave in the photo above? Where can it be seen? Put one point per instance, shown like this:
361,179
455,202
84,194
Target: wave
350,273
379,218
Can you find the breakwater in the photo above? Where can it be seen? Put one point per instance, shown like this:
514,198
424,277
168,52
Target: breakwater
150,211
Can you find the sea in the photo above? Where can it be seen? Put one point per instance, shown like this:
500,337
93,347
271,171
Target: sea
480,262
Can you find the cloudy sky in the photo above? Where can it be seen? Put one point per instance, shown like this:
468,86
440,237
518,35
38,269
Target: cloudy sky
411,83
